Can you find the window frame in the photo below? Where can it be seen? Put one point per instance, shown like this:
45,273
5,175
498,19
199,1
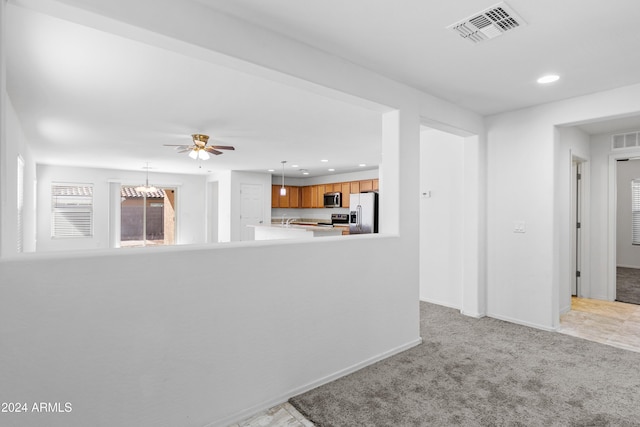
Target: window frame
73,219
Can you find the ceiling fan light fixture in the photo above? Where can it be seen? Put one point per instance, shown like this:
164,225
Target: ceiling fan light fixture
203,155
199,139
193,154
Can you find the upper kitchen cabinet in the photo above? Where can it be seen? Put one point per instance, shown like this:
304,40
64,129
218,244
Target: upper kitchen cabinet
294,197
290,200
345,189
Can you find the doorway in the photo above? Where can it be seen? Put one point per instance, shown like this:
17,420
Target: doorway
576,226
627,230
147,218
251,209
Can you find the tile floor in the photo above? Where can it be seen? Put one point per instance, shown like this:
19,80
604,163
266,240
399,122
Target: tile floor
284,415
607,322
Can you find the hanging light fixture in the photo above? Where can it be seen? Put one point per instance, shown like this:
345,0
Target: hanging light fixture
146,188
283,190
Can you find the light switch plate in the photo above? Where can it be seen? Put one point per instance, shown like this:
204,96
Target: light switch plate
519,227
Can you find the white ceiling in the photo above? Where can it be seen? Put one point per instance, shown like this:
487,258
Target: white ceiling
593,45
90,98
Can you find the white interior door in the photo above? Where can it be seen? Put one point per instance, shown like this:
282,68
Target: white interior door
251,209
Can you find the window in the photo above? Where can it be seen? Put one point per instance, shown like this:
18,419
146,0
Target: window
71,210
635,212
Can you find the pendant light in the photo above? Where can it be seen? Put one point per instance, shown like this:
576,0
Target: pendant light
283,190
146,188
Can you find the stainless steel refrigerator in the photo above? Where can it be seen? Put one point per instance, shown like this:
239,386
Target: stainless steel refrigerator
363,217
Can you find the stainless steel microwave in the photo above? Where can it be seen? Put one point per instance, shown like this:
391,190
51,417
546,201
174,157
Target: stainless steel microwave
332,200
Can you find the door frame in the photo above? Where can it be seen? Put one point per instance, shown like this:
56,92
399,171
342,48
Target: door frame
612,221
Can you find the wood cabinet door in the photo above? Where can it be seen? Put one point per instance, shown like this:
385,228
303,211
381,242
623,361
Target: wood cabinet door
307,200
314,196
320,196
355,187
376,184
345,189
366,185
275,196
294,197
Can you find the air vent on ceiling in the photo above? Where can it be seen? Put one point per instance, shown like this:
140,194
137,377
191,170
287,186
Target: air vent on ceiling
625,140
489,23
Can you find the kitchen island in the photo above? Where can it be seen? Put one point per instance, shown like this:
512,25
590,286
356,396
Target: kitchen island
293,231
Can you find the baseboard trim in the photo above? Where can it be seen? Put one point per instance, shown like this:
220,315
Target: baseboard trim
436,302
474,314
523,323
628,266
256,409
565,309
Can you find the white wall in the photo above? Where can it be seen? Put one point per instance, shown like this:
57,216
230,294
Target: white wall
599,210
190,201
627,255
168,336
441,218
17,146
524,270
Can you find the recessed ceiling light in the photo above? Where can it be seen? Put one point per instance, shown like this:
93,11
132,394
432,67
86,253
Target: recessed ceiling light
294,166
271,170
549,78
331,170
305,173
362,165
324,160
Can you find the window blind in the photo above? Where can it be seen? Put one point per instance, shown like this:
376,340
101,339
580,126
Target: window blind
635,212
71,210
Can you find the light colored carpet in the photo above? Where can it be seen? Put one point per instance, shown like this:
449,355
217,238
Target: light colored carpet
484,372
628,285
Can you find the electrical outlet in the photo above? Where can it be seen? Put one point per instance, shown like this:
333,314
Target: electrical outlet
519,227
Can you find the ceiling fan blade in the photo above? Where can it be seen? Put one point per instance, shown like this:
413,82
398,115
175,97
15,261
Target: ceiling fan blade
184,149
223,147
212,151
174,145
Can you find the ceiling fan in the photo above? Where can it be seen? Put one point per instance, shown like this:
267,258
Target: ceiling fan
199,149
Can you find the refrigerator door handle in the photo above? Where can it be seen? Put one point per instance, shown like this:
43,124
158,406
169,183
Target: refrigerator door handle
359,217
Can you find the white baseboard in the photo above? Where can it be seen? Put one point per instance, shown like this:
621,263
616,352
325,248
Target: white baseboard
463,312
565,309
436,302
256,409
628,266
473,314
520,322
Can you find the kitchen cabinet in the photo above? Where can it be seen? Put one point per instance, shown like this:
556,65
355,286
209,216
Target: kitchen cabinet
345,189
366,185
294,196
312,196
275,196
376,184
290,200
307,197
320,196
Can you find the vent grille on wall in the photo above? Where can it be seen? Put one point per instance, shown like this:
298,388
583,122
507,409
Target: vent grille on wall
489,23
625,140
